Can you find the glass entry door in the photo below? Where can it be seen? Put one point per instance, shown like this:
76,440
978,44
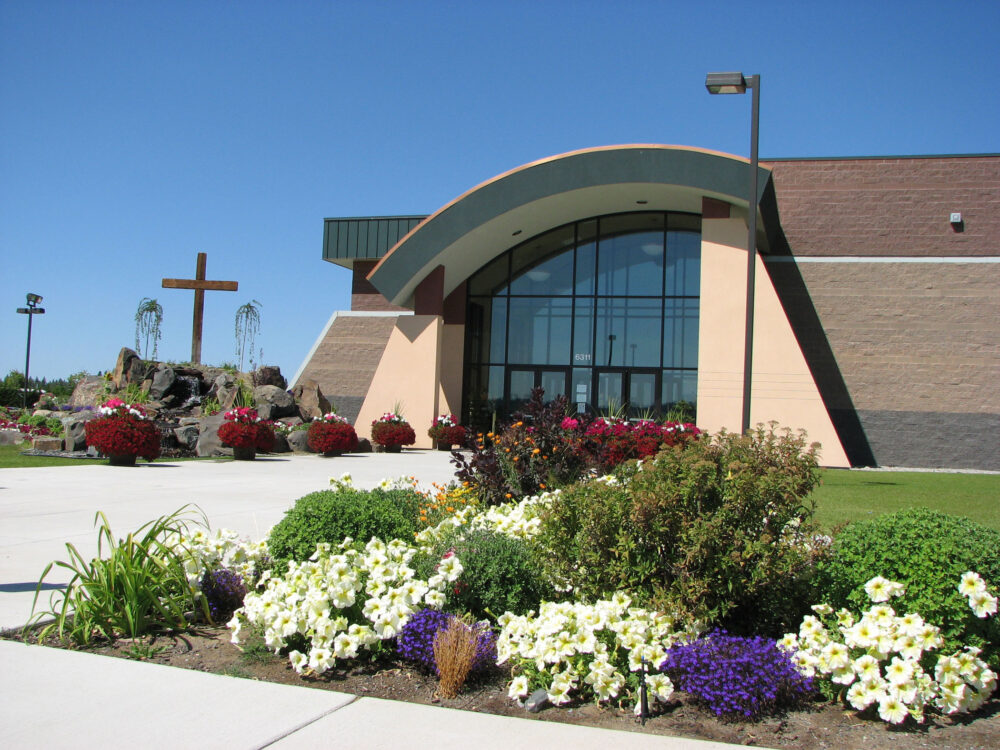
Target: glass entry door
521,381
630,392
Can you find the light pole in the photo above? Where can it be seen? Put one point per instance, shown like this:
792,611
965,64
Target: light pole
30,310
737,83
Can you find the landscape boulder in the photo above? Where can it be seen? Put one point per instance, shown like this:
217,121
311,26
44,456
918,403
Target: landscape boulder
208,438
11,437
128,369
280,444
273,402
163,380
74,427
88,391
312,403
299,441
187,436
269,375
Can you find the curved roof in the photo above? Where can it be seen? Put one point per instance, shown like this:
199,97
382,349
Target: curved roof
474,228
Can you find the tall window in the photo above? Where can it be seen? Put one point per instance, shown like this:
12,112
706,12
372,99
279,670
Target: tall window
604,311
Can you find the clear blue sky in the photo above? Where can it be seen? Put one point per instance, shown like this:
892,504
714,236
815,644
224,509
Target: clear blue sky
135,134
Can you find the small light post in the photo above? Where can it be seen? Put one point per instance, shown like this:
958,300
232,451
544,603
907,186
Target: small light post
30,310
737,83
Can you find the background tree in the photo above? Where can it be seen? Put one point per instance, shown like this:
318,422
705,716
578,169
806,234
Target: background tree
247,328
148,318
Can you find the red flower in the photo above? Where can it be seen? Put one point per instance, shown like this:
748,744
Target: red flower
325,437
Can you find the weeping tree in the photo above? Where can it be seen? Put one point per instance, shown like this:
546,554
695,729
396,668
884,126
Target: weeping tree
148,319
247,328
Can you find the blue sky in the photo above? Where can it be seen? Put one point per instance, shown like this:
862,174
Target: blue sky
135,134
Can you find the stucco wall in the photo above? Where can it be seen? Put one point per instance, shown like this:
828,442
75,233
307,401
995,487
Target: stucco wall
782,386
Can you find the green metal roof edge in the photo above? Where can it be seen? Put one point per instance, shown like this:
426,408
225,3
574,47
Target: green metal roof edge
712,172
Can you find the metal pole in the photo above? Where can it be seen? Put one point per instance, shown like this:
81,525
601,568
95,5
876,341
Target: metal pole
27,361
753,83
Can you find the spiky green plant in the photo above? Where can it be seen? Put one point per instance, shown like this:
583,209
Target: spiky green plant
135,585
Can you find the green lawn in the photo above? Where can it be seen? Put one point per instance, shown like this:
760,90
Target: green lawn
11,458
853,495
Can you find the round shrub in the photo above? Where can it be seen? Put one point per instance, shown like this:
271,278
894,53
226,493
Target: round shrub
926,551
716,530
332,515
500,575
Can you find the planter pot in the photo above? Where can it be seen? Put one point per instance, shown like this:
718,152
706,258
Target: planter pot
332,454
128,460
444,446
244,454
390,449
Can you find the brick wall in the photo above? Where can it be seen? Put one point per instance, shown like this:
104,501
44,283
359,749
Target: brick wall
345,362
889,206
364,296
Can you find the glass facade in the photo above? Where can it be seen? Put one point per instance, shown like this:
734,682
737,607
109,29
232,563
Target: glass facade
603,311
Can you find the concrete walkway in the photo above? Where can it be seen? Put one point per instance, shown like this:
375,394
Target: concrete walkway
55,698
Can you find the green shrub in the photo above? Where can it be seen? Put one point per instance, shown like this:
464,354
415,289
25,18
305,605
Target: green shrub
499,574
719,530
332,515
926,551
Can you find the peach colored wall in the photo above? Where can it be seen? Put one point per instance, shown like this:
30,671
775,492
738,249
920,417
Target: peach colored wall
782,388
409,372
722,312
452,359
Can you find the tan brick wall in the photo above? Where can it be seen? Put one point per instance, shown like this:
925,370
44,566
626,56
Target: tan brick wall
889,206
920,337
345,362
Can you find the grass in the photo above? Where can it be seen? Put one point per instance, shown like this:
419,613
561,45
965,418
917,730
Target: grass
12,458
858,495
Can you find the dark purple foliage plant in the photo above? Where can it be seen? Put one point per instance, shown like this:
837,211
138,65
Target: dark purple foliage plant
224,591
415,641
736,677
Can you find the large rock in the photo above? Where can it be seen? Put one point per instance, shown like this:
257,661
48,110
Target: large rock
89,391
298,441
312,402
225,389
269,375
75,429
272,402
187,436
281,444
163,381
12,437
47,444
128,369
208,438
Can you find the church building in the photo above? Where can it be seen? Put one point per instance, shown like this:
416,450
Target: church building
617,276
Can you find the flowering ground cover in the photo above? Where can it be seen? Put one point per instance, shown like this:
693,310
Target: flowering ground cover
628,573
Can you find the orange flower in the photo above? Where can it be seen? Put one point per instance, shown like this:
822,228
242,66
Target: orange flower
542,486
536,451
508,496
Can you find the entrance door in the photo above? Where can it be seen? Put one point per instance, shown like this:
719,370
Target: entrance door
521,381
628,392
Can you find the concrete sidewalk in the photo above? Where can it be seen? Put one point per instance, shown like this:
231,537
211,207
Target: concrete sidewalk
55,698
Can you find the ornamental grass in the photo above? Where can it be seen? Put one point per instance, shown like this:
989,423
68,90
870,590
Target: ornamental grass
455,648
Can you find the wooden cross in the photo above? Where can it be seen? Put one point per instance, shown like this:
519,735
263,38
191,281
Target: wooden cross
199,284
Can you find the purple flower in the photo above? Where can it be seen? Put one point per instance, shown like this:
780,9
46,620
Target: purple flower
224,591
736,677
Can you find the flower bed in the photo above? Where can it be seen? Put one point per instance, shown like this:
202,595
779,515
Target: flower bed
447,431
392,431
332,433
123,430
244,429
